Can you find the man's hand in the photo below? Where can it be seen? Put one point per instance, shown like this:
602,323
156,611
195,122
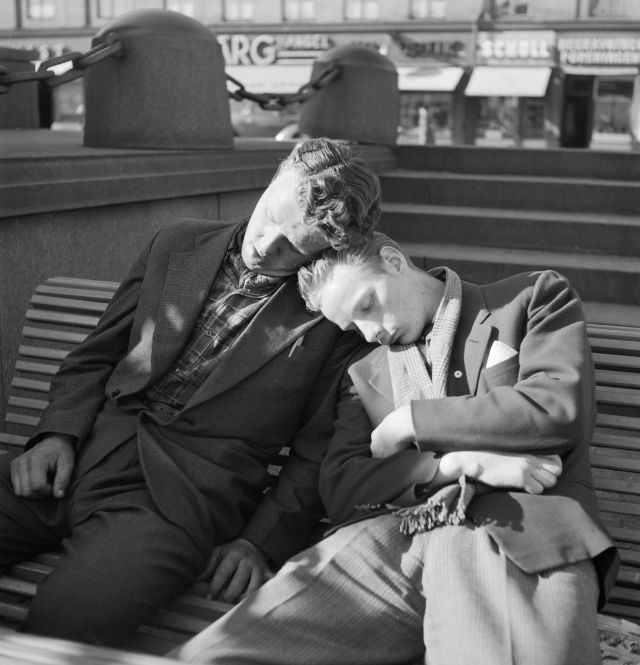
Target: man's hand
235,570
44,470
531,473
394,433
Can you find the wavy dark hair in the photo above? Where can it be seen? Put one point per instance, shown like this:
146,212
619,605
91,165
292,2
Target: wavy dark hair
313,276
339,194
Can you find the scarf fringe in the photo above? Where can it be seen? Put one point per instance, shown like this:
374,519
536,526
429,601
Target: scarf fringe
446,507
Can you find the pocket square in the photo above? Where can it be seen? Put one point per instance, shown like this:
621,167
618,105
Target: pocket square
499,352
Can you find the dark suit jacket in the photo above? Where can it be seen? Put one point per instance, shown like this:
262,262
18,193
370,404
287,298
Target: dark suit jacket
275,387
540,400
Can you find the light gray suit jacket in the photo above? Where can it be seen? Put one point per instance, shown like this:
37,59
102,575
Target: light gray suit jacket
541,400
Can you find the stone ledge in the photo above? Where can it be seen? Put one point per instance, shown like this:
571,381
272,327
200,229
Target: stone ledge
43,171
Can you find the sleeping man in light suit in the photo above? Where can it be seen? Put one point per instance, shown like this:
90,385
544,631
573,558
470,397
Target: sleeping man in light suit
461,538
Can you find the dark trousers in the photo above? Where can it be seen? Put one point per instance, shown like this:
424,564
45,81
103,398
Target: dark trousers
121,560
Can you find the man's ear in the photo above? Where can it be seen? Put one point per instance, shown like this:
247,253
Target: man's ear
393,259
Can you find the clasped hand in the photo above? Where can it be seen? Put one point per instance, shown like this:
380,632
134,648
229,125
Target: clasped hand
394,433
44,470
235,570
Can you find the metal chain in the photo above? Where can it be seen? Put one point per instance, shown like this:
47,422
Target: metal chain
113,46
276,102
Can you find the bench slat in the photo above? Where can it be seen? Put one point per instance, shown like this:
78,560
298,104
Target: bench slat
611,461
54,335
28,403
31,384
13,439
69,303
51,316
615,420
618,396
83,283
615,438
36,368
606,377
74,292
42,352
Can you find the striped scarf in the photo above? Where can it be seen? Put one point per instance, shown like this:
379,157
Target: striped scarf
411,381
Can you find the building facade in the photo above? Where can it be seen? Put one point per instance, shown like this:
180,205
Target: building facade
501,72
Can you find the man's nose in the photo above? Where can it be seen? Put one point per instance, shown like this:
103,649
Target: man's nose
371,333
269,242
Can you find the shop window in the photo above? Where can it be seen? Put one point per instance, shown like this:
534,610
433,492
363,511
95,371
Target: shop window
611,8
238,10
107,9
422,9
185,7
358,10
433,109
613,102
299,10
40,10
497,9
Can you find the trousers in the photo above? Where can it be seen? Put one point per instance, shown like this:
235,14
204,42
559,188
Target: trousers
120,559
369,594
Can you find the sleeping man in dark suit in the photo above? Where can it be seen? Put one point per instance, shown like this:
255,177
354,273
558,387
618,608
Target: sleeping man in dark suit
457,545
150,464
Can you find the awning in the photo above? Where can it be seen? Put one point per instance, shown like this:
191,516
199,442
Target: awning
429,79
593,70
508,82
282,79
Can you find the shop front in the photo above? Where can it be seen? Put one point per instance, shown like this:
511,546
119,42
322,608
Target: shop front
600,104
432,72
509,90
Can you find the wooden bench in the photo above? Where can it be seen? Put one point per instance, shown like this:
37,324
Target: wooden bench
63,310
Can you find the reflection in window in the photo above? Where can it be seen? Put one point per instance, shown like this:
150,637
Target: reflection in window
299,10
238,10
40,9
613,8
421,9
185,7
355,10
497,9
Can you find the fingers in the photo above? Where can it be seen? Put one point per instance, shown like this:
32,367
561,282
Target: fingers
551,463
540,479
62,476
222,573
30,476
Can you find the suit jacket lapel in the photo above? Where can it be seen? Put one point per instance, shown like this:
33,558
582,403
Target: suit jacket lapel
475,331
372,380
188,282
277,325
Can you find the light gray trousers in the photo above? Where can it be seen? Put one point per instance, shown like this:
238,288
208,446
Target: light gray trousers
368,594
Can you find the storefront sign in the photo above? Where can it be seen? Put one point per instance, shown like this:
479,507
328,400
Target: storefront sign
599,49
517,47
428,46
266,49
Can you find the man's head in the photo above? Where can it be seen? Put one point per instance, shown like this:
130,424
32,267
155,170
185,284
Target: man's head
374,289
321,196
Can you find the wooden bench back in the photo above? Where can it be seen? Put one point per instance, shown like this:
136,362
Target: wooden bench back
64,310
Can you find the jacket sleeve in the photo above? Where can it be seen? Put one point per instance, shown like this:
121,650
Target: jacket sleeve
353,483
288,518
549,408
78,389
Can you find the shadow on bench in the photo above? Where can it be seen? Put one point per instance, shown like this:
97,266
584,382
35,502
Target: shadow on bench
63,311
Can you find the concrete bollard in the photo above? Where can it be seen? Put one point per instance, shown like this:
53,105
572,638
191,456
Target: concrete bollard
19,106
361,105
165,90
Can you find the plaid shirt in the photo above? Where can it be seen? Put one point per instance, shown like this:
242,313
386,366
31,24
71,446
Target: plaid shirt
236,296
